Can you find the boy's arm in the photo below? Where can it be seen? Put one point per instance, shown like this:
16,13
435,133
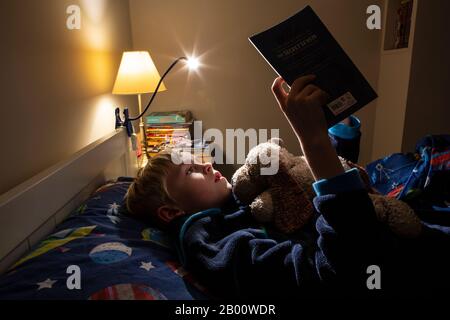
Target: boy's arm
343,203
302,107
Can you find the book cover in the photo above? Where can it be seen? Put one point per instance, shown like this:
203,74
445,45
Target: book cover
302,45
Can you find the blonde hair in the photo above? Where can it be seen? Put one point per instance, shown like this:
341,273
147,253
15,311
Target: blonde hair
148,192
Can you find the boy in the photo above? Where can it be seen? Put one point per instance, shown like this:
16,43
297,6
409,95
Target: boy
234,257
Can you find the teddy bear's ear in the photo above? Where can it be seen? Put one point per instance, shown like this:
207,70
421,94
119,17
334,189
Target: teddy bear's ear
277,141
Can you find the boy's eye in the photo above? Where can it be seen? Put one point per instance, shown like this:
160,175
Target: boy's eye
189,170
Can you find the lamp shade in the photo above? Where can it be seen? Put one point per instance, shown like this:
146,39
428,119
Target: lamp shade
137,74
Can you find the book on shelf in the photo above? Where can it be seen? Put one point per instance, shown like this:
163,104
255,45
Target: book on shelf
302,45
180,125
168,117
166,132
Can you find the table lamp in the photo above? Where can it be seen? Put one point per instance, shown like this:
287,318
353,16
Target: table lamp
137,75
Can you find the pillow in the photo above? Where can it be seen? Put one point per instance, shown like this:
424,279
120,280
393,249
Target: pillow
115,256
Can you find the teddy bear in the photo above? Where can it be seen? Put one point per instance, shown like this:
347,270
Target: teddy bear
284,199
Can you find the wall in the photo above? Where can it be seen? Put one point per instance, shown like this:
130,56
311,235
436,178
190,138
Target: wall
393,83
232,89
56,83
428,103
391,105
413,98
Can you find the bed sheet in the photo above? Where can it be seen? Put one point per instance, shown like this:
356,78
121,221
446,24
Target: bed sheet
115,256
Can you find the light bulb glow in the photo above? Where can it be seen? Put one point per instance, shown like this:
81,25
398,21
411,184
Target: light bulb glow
193,63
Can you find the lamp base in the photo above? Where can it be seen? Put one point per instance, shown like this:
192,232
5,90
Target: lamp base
143,140
142,134
142,160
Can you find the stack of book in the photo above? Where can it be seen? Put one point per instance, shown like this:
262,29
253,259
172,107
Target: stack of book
166,129
173,129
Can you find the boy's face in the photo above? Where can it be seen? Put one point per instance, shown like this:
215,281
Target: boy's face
197,186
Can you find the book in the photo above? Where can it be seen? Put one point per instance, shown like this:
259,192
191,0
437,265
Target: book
170,125
302,45
169,117
167,129
166,132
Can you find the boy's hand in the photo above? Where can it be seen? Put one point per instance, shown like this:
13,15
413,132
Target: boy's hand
302,107
347,121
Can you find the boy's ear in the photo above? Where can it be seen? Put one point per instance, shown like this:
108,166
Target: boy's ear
167,213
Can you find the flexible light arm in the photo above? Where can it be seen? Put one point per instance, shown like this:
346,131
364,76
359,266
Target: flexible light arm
157,88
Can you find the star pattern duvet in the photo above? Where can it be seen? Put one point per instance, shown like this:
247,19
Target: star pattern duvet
101,253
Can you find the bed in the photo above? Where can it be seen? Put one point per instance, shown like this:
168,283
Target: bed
65,235
71,219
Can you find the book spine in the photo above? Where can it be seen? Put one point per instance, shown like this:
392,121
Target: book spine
167,128
179,125
165,119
